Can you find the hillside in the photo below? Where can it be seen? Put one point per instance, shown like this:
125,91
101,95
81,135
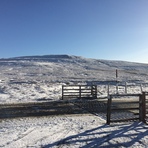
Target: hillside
65,68
41,77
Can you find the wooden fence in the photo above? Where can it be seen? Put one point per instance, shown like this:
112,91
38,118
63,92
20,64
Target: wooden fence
79,91
129,107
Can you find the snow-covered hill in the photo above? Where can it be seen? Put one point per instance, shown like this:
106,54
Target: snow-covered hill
41,77
65,68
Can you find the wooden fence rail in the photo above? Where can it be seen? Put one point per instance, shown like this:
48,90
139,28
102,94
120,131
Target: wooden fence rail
79,91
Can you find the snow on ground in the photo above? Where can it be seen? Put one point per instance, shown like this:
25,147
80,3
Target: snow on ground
40,78
41,91
71,131
15,93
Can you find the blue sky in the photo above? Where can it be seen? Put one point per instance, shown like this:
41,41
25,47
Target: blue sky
100,29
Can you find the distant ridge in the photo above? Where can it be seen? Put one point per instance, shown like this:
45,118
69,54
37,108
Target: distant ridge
72,57
64,56
43,56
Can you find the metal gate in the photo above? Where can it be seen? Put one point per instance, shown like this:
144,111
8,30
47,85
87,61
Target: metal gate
138,107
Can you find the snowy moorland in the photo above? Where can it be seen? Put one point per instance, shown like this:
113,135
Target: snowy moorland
40,78
36,78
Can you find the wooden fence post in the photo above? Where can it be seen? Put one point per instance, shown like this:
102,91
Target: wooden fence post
125,87
62,92
95,91
80,91
109,109
142,109
92,90
117,92
141,88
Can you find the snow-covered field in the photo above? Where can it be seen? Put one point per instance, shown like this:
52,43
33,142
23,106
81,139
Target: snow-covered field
71,131
40,78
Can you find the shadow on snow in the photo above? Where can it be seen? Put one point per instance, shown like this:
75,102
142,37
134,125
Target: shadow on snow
105,136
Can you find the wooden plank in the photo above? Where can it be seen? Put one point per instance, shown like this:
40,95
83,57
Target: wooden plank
71,93
122,120
85,92
123,103
86,89
79,85
134,108
71,90
125,95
